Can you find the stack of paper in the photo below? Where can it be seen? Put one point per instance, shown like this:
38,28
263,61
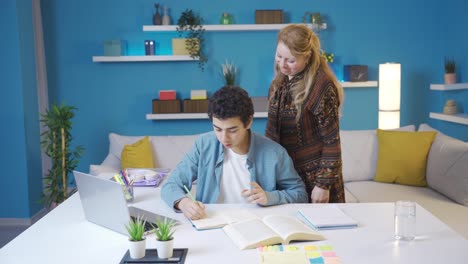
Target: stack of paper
327,217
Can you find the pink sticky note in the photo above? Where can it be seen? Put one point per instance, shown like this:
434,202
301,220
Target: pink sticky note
328,254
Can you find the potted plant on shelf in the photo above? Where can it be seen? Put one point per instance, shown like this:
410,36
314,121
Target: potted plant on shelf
192,24
164,237
137,240
56,144
229,73
450,76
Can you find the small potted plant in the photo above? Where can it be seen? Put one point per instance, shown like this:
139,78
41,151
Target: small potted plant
136,232
192,24
329,56
164,237
450,76
229,73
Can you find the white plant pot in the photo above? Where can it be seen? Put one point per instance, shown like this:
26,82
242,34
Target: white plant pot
137,249
165,248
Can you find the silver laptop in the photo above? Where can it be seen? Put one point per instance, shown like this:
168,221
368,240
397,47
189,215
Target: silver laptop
104,204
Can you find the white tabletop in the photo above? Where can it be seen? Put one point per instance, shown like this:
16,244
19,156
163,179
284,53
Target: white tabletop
64,236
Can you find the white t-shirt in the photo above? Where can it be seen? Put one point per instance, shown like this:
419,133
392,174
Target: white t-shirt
234,179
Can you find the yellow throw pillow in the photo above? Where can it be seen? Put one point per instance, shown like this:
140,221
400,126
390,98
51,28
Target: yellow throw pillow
402,156
137,155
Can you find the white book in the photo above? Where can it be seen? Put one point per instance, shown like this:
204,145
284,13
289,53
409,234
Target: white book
327,217
270,230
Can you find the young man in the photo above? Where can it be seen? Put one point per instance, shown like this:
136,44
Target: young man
233,164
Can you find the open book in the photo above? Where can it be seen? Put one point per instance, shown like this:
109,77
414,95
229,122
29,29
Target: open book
217,219
272,229
327,217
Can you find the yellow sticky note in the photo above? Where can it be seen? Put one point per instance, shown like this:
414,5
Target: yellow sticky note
310,248
283,257
313,254
291,248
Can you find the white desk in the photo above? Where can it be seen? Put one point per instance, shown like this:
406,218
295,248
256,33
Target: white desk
64,236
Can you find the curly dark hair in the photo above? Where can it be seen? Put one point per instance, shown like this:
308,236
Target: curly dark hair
231,101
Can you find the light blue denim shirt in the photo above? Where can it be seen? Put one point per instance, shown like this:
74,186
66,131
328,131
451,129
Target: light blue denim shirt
268,163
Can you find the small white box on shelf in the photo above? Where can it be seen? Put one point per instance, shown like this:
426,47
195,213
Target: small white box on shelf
198,95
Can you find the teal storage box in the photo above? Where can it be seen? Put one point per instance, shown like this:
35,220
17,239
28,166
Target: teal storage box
115,48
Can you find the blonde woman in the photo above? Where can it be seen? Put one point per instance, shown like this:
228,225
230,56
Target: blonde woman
305,100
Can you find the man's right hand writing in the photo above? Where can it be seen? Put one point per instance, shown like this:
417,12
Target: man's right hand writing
192,210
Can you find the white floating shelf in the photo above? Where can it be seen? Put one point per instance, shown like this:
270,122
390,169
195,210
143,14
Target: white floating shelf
449,87
359,84
457,118
191,116
234,27
142,58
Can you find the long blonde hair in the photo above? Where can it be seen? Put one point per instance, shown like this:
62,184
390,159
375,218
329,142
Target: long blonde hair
304,43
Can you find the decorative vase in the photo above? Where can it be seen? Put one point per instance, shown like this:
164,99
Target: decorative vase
166,19
165,248
450,107
450,78
157,20
137,249
226,19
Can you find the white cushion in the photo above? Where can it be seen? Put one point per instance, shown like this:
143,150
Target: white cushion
99,169
447,166
359,153
168,151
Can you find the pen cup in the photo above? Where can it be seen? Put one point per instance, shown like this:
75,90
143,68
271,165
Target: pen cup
405,220
128,193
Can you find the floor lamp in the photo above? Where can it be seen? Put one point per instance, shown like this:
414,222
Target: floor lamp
389,95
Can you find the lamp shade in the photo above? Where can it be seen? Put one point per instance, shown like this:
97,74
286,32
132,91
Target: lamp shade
389,95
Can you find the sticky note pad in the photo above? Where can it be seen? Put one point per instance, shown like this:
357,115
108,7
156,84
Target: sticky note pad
332,261
326,248
316,260
313,254
290,248
282,257
310,248
328,254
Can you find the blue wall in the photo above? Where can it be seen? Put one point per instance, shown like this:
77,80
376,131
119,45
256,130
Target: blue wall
20,160
115,97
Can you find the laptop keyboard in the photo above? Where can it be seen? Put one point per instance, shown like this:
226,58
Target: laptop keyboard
149,226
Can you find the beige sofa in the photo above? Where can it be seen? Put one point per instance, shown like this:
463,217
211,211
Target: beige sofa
446,195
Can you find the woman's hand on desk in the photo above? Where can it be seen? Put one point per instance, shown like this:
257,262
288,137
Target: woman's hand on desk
255,195
320,195
192,209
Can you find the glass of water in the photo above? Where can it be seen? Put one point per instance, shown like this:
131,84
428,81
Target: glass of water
405,220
